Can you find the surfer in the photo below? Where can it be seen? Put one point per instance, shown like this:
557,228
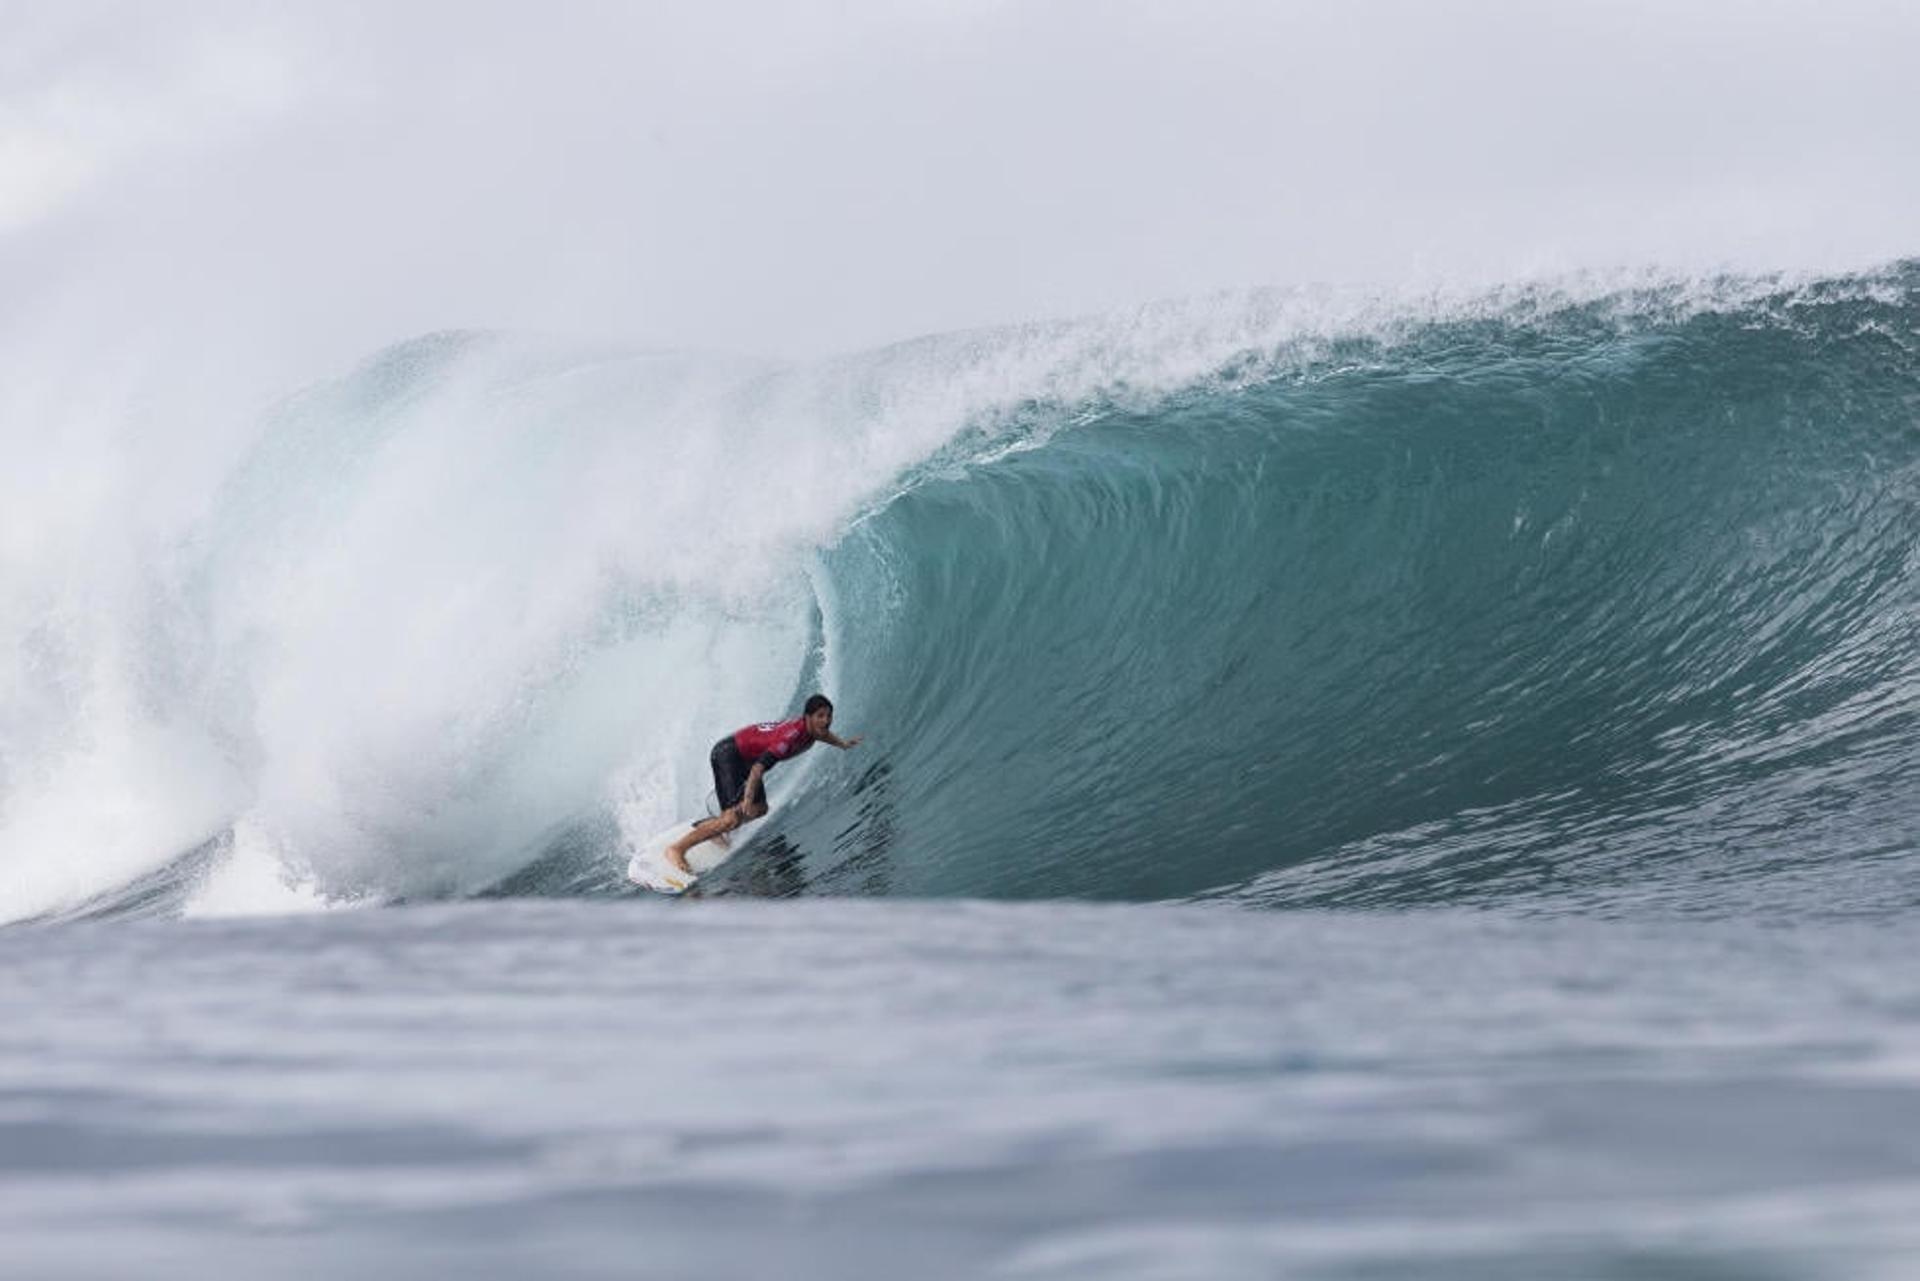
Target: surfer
739,785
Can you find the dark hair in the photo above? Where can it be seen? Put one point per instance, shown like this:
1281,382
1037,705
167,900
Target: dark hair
815,703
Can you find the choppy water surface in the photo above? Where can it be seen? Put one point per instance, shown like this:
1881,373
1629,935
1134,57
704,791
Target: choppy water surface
750,1089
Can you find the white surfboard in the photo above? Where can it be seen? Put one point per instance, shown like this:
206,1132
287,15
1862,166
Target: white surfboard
649,867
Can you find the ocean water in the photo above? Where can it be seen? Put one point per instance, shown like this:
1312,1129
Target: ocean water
1352,788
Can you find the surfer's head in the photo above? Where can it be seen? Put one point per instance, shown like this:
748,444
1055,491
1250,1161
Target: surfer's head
819,714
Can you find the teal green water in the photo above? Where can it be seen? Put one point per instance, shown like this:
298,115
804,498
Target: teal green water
1537,605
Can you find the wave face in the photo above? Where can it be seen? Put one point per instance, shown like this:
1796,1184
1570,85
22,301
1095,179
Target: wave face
1609,598
1575,600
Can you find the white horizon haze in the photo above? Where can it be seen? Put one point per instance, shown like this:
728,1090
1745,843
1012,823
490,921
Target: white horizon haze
302,184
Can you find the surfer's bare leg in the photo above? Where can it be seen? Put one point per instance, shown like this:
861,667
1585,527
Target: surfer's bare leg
699,833
745,811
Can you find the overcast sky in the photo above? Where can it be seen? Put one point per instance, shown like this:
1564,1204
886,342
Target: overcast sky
797,177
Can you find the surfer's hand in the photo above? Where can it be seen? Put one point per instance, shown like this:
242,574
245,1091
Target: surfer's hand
854,741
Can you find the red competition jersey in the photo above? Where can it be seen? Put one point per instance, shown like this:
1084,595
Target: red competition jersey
773,741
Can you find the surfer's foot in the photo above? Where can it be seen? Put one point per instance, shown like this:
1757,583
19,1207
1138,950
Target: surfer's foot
675,861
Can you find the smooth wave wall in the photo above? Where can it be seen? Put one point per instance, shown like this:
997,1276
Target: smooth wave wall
1533,604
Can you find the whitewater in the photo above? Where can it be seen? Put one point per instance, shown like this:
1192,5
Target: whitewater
1352,784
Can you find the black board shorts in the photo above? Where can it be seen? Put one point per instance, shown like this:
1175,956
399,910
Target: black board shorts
729,773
